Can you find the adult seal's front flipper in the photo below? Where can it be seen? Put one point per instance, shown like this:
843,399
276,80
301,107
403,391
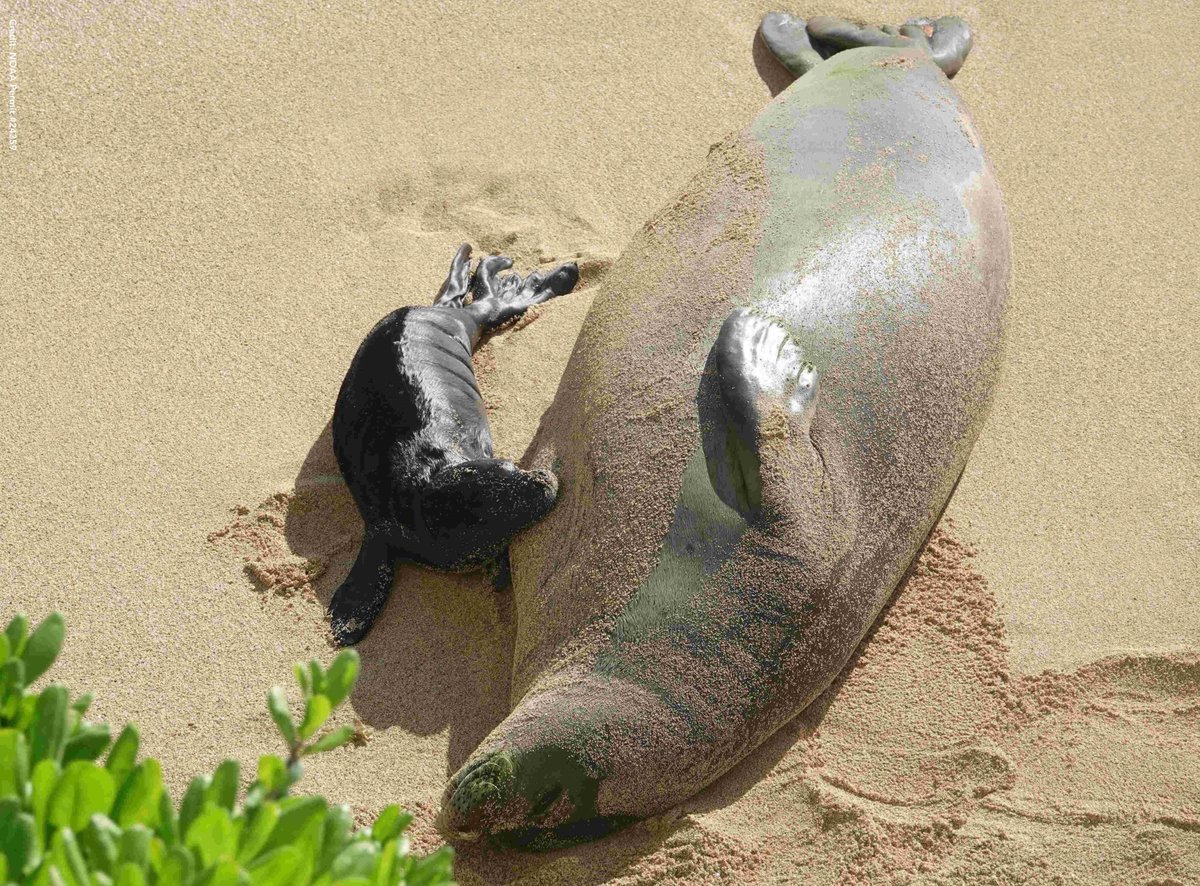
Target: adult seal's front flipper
756,405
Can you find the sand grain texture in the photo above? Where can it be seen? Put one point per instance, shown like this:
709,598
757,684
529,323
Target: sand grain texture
208,208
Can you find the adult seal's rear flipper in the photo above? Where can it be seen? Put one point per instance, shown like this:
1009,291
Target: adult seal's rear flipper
787,38
801,45
756,405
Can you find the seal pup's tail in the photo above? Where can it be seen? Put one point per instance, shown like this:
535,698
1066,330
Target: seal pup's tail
359,599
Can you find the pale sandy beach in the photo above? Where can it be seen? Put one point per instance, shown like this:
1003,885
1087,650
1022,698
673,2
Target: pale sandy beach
208,206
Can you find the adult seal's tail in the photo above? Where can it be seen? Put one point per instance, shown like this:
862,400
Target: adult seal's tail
411,437
768,406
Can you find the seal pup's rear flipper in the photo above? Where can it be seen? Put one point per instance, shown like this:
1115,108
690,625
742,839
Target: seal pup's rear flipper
454,291
498,299
360,598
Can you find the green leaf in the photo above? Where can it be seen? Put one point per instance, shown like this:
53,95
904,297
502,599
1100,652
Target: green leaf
88,743
343,674
193,803
99,843
277,868
277,705
338,823
15,633
272,772
83,791
134,846
316,712
14,763
137,799
64,850
4,651
12,678
43,646
259,825
255,794
331,740
177,868
302,678
82,703
24,707
49,723
211,835
356,860
297,814
226,873
158,852
168,822
437,868
389,861
42,782
390,823
224,787
18,839
123,756
316,676
129,874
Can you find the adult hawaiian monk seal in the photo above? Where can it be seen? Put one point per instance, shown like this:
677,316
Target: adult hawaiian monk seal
767,409
411,437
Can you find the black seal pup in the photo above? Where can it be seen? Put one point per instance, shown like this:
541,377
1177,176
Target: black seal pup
411,437
768,406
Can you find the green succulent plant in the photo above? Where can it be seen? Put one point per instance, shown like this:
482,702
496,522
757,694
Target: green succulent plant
73,815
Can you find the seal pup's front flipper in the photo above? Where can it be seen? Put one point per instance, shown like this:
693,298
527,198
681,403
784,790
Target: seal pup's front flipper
360,598
470,511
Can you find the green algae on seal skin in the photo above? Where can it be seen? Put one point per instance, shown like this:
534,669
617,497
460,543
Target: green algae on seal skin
556,788
767,408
